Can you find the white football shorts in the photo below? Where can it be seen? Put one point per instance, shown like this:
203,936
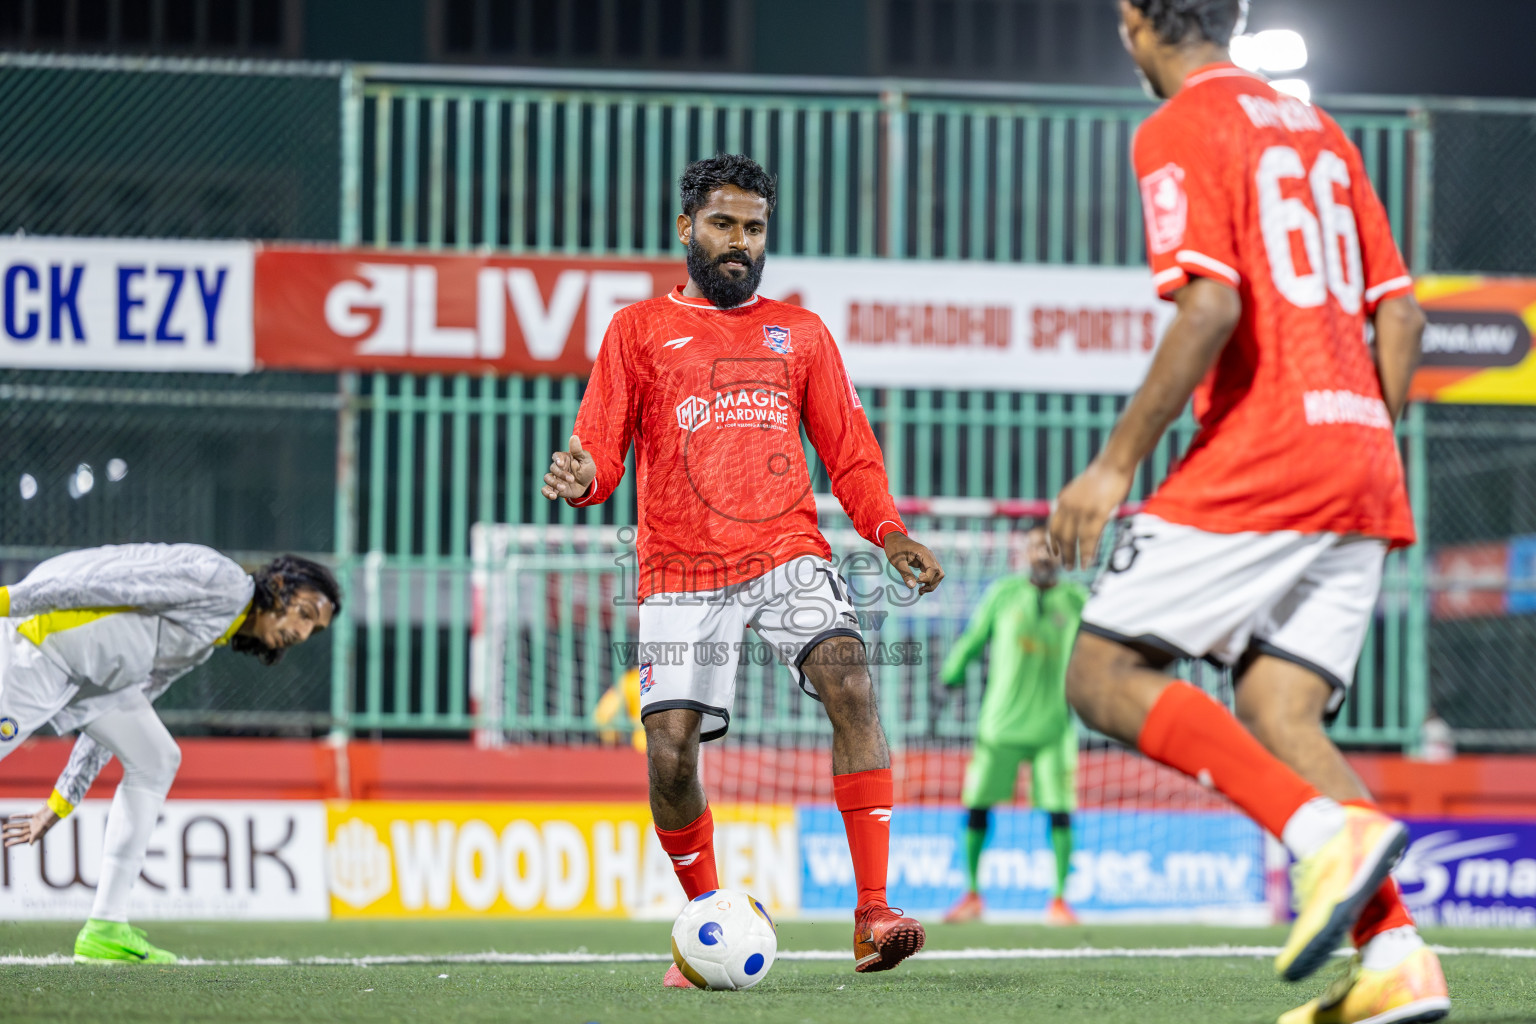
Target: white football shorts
691,643
32,688
1182,592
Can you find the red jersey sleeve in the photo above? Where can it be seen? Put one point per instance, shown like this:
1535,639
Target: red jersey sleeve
835,422
1185,205
1386,276
606,420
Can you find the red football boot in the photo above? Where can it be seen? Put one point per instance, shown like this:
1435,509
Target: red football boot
882,938
675,979
969,908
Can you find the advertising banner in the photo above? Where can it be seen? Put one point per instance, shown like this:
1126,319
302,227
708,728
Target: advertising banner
1142,865
1469,580
330,309
1470,874
99,304
539,859
208,859
129,304
902,323
899,323
1477,347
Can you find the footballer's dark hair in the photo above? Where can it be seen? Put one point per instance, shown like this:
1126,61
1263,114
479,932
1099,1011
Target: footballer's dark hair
277,582
1181,22
703,177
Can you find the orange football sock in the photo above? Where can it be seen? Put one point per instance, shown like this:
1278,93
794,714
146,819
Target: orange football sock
692,849
1386,909
865,799
1189,731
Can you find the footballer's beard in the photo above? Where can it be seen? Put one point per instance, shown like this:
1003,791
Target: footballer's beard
722,290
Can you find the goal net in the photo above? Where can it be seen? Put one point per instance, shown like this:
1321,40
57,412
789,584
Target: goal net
555,637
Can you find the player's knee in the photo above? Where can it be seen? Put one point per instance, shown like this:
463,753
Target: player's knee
674,767
1095,673
154,768
846,690
1085,688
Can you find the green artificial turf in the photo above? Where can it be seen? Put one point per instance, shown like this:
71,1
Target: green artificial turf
1234,988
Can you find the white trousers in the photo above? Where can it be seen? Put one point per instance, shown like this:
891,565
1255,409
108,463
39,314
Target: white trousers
150,757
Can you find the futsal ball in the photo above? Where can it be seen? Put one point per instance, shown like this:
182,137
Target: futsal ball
724,939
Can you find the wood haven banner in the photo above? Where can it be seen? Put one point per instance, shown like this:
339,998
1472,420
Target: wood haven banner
438,859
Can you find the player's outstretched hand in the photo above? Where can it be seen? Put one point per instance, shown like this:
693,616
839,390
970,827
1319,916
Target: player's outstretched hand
570,473
1083,509
908,555
26,829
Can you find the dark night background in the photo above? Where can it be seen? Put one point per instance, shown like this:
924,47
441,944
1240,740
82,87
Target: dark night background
1416,47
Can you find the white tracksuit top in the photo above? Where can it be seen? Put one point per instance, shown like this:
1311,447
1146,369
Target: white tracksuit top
84,628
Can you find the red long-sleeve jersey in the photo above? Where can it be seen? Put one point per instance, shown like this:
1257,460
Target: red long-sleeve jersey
713,400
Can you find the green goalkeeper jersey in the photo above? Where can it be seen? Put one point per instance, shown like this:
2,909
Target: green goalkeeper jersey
1031,631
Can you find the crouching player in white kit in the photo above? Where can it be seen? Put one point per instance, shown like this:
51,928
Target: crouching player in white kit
89,639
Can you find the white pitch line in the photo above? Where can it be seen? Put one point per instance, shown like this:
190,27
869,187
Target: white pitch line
1077,953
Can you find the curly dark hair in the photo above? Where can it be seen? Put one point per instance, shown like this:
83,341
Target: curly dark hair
276,582
1189,21
702,177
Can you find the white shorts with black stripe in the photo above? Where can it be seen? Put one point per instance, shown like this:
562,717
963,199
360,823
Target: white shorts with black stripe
1179,591
691,643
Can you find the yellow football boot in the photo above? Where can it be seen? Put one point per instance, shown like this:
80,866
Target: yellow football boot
1334,884
1411,992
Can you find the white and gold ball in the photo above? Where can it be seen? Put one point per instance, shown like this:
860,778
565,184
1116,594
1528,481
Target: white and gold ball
724,939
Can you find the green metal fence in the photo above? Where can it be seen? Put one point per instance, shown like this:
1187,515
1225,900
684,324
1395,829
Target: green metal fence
865,173
580,170
168,148
862,172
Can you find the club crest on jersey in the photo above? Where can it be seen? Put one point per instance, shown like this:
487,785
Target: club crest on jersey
8,729
1167,207
647,679
777,338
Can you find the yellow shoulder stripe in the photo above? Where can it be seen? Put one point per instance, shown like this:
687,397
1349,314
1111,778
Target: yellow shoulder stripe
40,627
234,627
5,602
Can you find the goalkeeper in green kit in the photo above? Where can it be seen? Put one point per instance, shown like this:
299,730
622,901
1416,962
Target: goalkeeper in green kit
1031,622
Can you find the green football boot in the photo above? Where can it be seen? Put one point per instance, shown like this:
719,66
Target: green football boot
112,942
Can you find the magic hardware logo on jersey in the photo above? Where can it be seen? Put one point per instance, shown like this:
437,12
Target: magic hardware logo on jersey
768,408
777,338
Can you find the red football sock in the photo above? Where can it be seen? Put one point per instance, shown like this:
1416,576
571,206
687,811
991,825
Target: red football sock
692,849
1386,909
865,799
1191,732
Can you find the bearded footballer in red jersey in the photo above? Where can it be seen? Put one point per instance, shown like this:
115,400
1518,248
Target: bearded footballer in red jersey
1263,549
712,383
